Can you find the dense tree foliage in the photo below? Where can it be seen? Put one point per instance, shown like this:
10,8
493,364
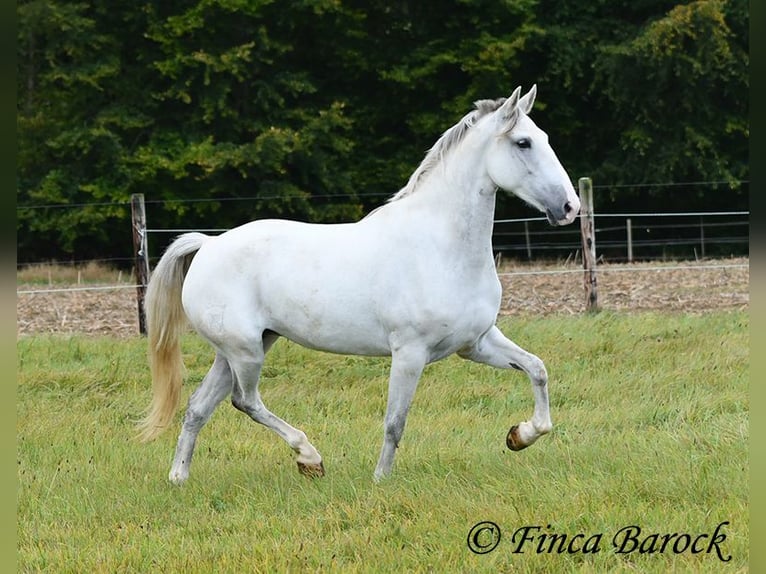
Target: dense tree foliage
319,109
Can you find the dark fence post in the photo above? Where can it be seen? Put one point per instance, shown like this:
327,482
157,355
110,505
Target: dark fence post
587,228
141,254
529,243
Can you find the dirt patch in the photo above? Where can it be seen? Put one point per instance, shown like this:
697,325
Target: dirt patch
679,286
81,310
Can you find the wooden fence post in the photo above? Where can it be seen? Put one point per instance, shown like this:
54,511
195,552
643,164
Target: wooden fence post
141,254
629,226
529,243
587,228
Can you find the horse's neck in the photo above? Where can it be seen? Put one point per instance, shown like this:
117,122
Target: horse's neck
457,214
454,203
461,193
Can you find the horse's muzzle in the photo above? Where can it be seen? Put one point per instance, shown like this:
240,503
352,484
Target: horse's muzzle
564,215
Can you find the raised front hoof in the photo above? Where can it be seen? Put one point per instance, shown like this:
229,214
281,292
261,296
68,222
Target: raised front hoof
311,470
513,440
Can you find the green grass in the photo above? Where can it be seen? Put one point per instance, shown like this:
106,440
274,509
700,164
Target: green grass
650,428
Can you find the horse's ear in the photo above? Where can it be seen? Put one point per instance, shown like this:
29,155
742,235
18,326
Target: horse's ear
509,110
526,103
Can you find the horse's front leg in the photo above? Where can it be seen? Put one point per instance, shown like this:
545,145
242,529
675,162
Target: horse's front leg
407,365
494,348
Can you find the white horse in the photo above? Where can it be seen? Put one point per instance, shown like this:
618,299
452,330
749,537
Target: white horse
415,280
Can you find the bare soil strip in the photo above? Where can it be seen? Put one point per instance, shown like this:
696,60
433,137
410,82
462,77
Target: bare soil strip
691,287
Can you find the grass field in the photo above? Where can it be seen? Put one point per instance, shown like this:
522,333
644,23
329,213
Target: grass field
650,429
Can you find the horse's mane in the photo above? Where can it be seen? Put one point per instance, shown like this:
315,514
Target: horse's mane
446,142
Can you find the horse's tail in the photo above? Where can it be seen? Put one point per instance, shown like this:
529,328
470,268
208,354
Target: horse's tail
166,321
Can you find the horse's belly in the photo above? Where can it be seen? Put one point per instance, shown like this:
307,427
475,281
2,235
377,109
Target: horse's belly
344,329
339,343
335,314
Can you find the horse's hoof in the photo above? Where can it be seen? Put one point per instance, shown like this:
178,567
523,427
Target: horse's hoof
513,440
311,470
177,478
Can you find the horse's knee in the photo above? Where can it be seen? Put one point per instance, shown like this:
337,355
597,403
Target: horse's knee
537,371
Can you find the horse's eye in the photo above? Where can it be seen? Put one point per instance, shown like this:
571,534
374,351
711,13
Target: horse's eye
524,143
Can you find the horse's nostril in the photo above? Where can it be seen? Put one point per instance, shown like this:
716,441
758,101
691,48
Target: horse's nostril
567,207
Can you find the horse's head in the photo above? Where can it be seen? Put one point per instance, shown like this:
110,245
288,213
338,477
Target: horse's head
520,160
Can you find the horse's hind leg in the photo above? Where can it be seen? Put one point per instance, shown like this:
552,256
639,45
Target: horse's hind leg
214,388
495,349
247,398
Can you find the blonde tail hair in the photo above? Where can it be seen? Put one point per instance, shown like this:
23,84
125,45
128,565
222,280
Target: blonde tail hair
166,321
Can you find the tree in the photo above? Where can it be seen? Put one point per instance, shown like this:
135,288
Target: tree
74,117
678,94
188,101
647,92
222,111
241,115
426,62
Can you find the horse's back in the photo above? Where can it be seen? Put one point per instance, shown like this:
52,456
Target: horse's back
307,282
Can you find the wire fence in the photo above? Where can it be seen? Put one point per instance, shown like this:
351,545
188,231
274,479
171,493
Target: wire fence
640,236
519,273
631,236
530,239
630,269
692,287
116,308
692,236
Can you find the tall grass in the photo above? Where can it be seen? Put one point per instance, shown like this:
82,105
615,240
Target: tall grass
63,274
651,429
